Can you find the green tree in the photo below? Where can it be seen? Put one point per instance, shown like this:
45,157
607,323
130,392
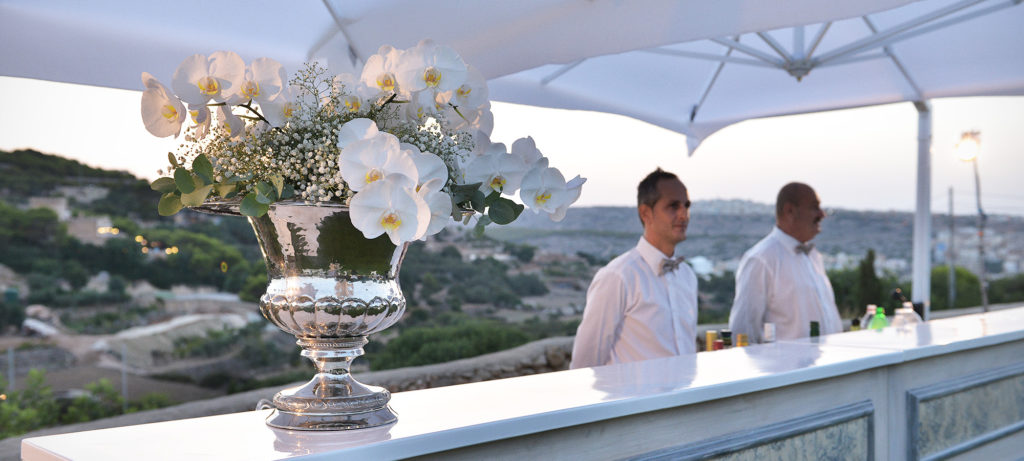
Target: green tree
436,344
1007,290
968,288
869,288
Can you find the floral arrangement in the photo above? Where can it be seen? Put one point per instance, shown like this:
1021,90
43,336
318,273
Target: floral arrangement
405,144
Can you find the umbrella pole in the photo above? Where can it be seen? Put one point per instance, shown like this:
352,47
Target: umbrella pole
921,292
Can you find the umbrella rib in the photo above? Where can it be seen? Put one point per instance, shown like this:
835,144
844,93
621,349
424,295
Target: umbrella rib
562,70
749,50
775,46
708,86
353,54
798,42
853,59
818,37
874,40
951,21
706,56
918,96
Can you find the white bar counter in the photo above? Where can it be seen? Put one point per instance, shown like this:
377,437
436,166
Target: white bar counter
869,394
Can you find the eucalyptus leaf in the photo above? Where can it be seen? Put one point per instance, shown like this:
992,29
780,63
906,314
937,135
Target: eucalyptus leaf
477,201
174,161
464,192
288,191
203,168
196,197
184,180
250,207
502,211
226,190
263,199
266,190
478,230
164,185
170,204
494,195
278,182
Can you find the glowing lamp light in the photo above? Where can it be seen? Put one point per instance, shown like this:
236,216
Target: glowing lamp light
969,146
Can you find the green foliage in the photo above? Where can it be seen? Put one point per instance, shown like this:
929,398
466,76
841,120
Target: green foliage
11,314
1006,290
435,344
35,407
523,253
868,289
858,287
968,288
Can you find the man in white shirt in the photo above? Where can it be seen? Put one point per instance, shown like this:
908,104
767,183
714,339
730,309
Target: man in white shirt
782,279
643,304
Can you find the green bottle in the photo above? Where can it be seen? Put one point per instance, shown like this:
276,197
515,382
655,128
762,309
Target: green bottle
879,321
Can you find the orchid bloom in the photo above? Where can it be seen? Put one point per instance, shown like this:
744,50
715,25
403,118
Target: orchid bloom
356,129
430,66
229,121
162,113
390,206
279,110
497,171
264,80
379,71
357,97
544,189
439,203
421,105
471,95
201,117
575,187
369,160
199,79
468,119
429,167
525,149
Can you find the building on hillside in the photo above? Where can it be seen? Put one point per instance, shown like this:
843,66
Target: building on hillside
83,194
94,230
59,205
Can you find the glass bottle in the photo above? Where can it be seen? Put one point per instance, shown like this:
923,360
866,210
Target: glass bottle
905,316
869,314
815,329
855,325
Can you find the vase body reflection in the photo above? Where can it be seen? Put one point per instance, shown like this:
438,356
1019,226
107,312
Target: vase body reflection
330,287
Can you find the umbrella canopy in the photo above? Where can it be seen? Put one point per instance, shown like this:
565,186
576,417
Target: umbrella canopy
923,50
110,42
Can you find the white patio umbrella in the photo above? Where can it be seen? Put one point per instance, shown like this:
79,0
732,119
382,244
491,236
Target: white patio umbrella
606,55
916,52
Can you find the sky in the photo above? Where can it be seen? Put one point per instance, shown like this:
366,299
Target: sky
863,159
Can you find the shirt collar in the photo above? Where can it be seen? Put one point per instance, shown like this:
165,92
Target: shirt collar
787,240
650,254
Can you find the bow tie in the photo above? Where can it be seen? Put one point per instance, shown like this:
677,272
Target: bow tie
805,248
671,264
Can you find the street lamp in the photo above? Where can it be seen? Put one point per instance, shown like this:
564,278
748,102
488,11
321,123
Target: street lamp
968,149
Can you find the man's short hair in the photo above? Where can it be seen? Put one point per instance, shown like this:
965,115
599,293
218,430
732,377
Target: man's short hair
790,193
647,191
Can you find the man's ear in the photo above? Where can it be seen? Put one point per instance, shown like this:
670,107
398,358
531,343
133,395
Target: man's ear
646,212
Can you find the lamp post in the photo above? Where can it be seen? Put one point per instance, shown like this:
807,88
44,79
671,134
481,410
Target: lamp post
968,149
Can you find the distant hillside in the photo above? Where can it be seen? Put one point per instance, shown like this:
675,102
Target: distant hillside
27,173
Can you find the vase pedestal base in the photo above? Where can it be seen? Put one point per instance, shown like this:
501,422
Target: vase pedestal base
333,400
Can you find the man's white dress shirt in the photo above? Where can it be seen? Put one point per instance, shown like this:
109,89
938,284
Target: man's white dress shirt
778,284
634,312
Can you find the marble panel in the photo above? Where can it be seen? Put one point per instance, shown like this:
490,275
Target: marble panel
955,416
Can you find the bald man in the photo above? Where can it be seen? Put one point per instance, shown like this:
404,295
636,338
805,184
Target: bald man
782,279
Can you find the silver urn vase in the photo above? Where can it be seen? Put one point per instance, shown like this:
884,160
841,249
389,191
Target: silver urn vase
330,287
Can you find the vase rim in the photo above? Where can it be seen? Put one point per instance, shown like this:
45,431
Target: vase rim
232,206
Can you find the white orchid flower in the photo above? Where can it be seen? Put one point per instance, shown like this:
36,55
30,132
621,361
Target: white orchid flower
162,112
356,129
201,117
575,187
230,122
440,204
279,110
430,66
544,189
429,167
421,105
497,171
390,206
379,71
480,119
471,95
356,96
199,79
525,149
264,80
369,160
